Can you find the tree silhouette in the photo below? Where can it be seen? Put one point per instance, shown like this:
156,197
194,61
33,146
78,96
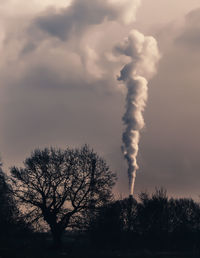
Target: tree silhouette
106,229
57,185
7,207
153,218
129,216
184,223
10,219
116,224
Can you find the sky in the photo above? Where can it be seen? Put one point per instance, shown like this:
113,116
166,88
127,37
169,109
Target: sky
59,85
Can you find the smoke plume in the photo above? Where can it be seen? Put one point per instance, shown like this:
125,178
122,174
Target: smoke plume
144,55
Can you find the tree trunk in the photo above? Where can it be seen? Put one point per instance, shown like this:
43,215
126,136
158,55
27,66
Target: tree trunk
57,237
57,230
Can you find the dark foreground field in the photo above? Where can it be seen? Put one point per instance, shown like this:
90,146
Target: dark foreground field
88,254
30,253
40,246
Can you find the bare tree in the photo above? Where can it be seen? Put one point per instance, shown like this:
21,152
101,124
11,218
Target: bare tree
56,185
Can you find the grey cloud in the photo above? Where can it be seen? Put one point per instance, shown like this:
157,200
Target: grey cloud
190,36
46,79
81,15
29,47
74,19
192,18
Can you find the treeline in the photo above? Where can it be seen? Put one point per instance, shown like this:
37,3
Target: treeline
71,191
154,222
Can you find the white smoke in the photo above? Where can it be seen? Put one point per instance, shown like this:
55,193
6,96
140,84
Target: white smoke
144,55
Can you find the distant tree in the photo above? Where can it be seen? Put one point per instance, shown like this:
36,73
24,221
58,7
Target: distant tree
129,215
106,228
7,206
10,219
184,215
184,223
115,224
58,185
154,217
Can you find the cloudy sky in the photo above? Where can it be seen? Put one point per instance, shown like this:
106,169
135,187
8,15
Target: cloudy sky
59,85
